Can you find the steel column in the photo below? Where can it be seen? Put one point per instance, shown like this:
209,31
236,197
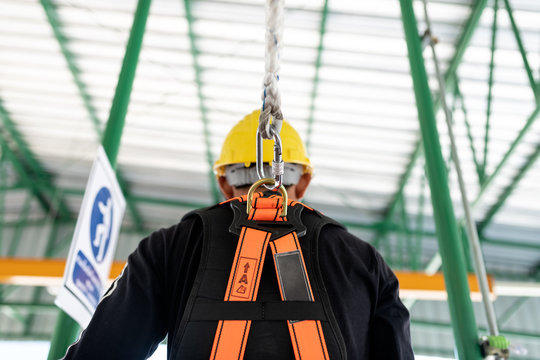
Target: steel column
460,304
449,77
66,328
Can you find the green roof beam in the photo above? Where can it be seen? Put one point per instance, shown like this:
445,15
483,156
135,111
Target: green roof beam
519,138
401,188
28,167
509,189
512,310
318,61
463,42
477,166
52,17
494,29
515,29
202,107
56,25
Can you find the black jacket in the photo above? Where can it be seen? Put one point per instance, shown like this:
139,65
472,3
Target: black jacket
148,300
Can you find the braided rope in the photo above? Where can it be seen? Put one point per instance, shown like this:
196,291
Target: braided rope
270,96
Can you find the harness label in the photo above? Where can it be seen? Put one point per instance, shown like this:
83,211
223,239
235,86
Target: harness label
244,277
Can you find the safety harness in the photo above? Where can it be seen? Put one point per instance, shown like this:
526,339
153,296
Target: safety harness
230,298
265,227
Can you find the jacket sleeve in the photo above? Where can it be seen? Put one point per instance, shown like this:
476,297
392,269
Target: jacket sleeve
130,320
390,326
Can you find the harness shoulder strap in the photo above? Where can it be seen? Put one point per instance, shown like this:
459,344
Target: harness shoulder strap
255,235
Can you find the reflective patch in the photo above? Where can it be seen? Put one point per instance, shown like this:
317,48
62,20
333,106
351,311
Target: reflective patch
292,276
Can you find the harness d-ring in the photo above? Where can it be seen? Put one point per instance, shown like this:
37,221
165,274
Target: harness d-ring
267,181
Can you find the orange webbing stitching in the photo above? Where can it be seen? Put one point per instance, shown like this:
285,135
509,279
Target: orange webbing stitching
231,335
306,336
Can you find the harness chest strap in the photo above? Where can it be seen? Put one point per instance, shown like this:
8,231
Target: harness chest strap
231,335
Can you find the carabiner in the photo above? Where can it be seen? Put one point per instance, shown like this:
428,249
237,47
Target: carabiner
277,164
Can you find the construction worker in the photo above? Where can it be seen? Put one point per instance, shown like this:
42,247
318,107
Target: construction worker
175,281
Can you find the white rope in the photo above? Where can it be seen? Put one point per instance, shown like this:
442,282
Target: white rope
270,96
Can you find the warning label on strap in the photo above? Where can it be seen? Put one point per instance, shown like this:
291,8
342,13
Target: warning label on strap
244,278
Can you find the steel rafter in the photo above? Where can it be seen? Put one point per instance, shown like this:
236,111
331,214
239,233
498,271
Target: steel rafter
519,138
29,168
63,42
202,107
494,29
61,38
512,310
509,189
318,60
532,82
477,166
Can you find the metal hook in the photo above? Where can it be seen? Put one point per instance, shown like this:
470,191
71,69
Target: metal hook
277,164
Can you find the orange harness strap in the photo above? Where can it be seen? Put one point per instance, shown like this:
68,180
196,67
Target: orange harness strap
231,335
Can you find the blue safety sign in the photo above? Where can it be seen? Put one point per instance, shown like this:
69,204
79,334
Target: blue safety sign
88,265
101,223
86,279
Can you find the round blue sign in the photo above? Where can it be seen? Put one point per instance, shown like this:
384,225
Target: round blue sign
101,223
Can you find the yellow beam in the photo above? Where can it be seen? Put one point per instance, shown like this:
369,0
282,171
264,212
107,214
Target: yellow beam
419,285
40,272
49,272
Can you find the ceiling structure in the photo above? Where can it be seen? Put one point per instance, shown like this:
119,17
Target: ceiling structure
346,86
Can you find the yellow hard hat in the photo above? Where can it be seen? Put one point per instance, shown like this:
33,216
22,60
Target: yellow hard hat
239,146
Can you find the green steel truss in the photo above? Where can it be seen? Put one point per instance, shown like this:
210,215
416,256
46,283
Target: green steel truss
396,221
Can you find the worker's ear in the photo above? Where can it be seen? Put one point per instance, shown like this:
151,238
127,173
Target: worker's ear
302,185
225,188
